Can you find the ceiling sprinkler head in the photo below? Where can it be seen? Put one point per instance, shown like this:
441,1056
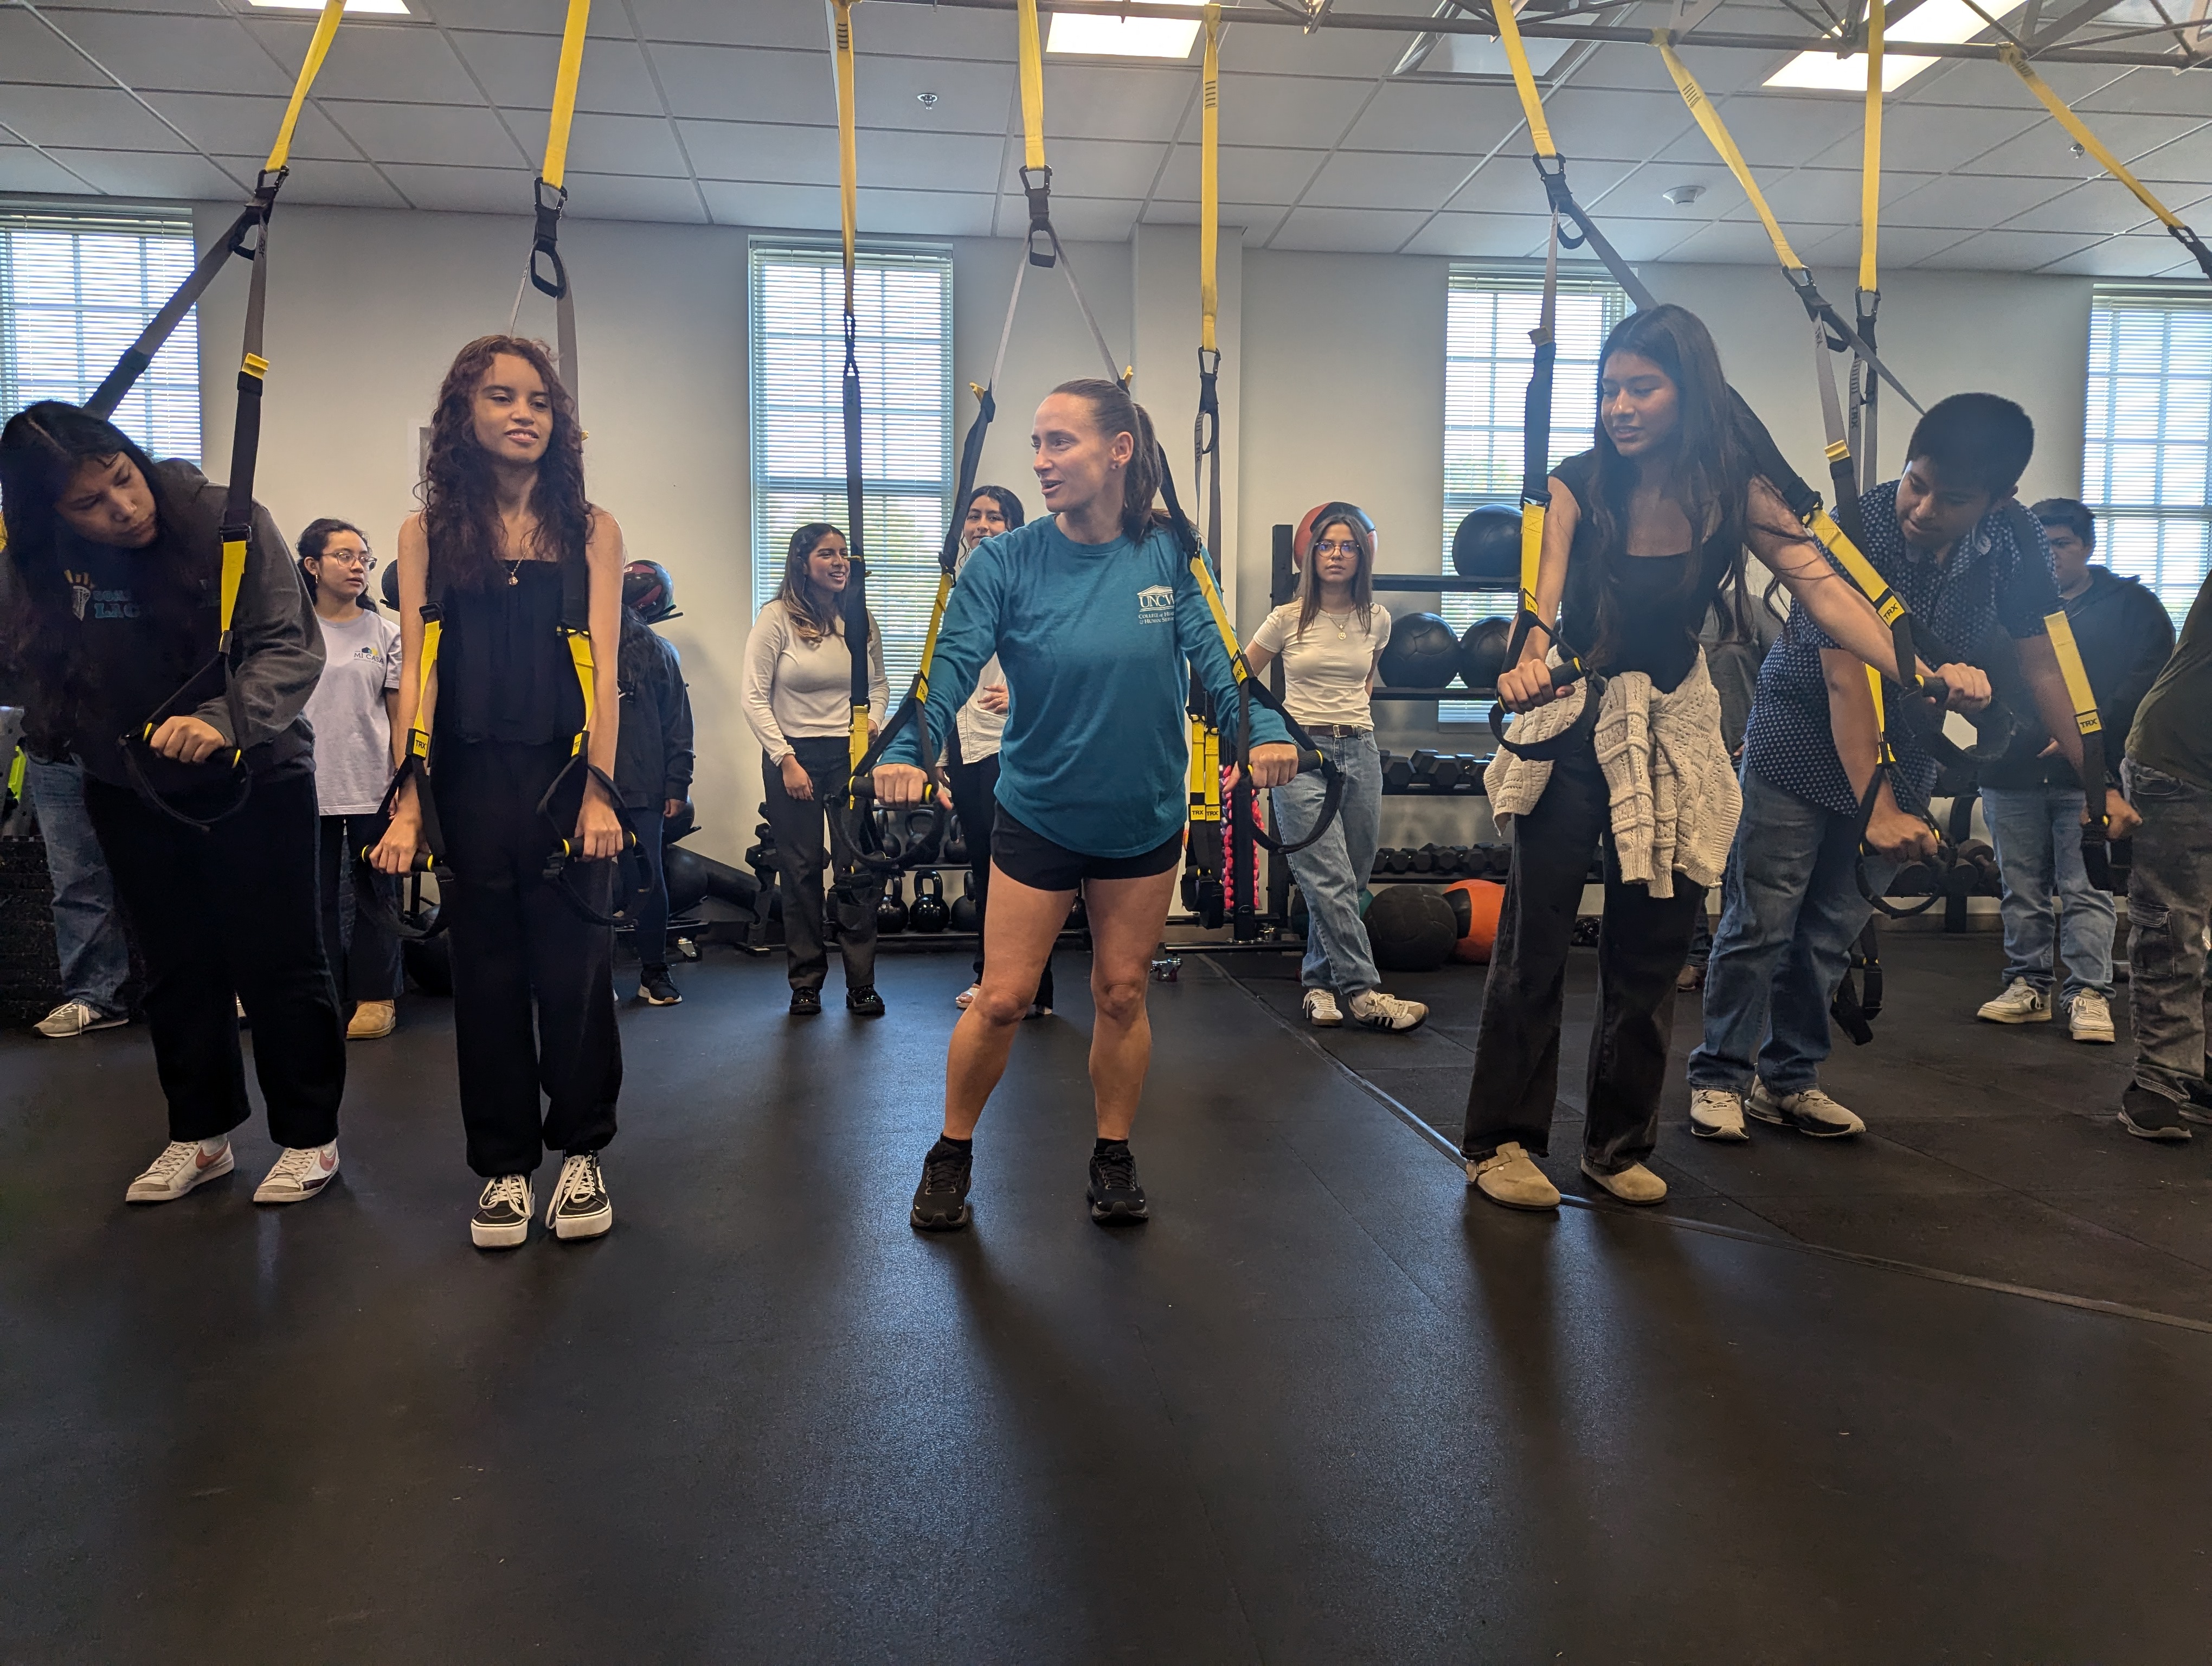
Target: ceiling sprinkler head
926,101
1683,196
2078,149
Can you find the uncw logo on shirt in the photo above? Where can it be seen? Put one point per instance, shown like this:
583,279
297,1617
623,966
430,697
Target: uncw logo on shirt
1156,605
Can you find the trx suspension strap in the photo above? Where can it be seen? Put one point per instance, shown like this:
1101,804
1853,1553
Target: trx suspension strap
2011,53
214,678
548,274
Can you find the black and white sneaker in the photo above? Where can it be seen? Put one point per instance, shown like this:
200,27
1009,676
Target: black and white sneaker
2149,1116
1116,1196
502,1217
864,1003
805,1003
656,989
940,1202
579,1208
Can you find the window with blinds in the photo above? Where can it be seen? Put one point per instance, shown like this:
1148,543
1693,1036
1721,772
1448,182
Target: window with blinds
2145,467
75,292
904,303
1488,360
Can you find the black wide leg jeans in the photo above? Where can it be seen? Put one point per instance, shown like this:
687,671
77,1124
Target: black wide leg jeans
1642,945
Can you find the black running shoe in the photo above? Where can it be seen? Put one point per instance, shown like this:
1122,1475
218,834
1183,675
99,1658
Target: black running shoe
805,1003
658,988
1115,1195
2149,1116
866,1003
940,1202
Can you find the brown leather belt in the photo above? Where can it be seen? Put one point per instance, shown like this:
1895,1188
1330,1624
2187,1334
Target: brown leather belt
1335,730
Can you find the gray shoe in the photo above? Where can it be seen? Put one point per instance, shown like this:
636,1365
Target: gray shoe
1716,1114
1810,1112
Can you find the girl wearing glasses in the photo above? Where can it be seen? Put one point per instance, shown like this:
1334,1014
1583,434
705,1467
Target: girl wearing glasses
350,712
1329,640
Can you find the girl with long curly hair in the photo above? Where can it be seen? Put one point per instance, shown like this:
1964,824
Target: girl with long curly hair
108,608
505,528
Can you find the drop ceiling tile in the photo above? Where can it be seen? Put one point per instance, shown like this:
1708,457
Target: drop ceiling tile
1493,235
1468,121
726,84
1942,136
223,123
201,8
791,208
1901,246
1090,168
1641,193
2143,254
1249,174
1970,201
1827,195
521,17
1368,179
30,51
1730,245
927,214
1775,130
1361,54
2005,251
933,161
1236,218
329,184
1101,219
1109,101
1722,71
410,62
2187,160
1626,69
1967,86
2145,90
463,190
153,173
94,119
1507,183
639,146
2044,147
1641,240
2104,206
972,97
1622,127
743,23
22,168
460,135
931,31
1373,230
765,152
197,54
517,71
607,196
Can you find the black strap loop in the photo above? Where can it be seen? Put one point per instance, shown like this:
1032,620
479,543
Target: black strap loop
1044,244
546,272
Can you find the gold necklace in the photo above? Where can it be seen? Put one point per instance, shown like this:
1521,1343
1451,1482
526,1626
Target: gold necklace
514,571
1342,625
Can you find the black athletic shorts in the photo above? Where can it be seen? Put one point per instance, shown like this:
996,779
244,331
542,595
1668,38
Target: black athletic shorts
1028,858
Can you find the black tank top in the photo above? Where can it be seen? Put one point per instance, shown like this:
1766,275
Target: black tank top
504,672
1657,630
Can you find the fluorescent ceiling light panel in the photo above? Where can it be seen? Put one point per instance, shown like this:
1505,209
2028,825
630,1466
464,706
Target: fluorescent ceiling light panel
1122,37
381,8
1948,21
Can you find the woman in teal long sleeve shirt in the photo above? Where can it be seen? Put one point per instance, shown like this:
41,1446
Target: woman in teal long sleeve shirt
1097,621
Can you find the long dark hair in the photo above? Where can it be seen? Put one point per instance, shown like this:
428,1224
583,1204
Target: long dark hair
796,592
1114,412
1009,505
460,516
41,449
1711,473
315,540
1363,580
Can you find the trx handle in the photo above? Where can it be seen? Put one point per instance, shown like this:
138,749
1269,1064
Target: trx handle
2010,54
411,923
562,858
1569,670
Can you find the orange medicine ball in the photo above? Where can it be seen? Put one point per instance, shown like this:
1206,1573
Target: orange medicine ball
1484,898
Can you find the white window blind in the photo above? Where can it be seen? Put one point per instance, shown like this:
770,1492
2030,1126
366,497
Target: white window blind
903,304
1487,362
75,292
2144,469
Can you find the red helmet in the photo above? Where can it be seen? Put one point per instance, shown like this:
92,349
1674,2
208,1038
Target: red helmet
647,587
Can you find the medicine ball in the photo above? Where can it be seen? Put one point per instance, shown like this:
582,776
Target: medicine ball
1366,901
1302,540
1423,653
1482,651
647,587
1411,928
930,912
1478,926
1487,544
685,870
391,585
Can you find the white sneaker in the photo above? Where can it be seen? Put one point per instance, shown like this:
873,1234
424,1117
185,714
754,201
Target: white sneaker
2020,1003
1379,1011
579,1208
1810,1112
299,1173
1321,1010
966,997
2089,1016
502,1217
183,1165
1716,1114
74,1018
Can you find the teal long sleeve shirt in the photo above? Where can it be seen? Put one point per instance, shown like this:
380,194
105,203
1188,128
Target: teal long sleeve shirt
1094,639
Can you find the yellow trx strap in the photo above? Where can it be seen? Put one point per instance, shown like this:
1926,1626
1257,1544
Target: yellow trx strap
1032,88
1701,107
848,156
564,94
1524,80
2078,691
1870,164
1209,183
580,655
418,737
318,46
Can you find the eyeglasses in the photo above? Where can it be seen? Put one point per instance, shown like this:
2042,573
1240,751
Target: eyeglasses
1328,548
360,558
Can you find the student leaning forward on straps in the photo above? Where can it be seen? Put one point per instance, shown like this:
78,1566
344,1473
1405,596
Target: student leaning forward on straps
1618,745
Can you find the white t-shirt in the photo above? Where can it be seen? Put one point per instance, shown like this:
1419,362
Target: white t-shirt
982,731
797,690
1325,670
353,729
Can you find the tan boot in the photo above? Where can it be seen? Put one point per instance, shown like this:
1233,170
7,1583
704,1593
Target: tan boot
1507,1176
1633,1185
372,1020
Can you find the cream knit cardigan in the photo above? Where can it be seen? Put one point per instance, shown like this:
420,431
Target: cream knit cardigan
1675,800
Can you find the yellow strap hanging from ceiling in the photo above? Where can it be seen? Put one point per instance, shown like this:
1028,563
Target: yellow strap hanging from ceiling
1209,183
2112,165
848,150
1524,79
564,93
1708,119
1870,165
1032,88
318,47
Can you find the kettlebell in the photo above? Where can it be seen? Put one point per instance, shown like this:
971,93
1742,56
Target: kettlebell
891,913
930,912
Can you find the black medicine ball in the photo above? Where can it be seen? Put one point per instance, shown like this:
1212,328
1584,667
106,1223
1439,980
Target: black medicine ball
391,585
1487,544
1411,928
1423,653
1482,651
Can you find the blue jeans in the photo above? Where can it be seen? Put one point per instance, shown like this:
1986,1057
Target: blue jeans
88,931
1331,871
1790,910
2037,831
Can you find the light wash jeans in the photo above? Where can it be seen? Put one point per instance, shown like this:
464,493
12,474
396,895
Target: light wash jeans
2037,831
1790,910
1331,871
88,931
2169,905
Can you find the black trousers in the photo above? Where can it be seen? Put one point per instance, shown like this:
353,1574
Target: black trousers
364,957
1642,946
800,852
975,794
648,910
231,911
533,980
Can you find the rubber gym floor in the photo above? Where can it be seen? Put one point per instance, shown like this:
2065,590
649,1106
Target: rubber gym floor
1938,1394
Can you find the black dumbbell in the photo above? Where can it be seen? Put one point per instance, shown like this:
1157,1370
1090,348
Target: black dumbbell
1397,773
1401,861
1444,777
1425,770
1424,859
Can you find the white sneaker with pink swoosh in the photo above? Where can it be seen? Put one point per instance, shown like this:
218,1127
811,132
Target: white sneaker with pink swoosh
183,1165
299,1173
